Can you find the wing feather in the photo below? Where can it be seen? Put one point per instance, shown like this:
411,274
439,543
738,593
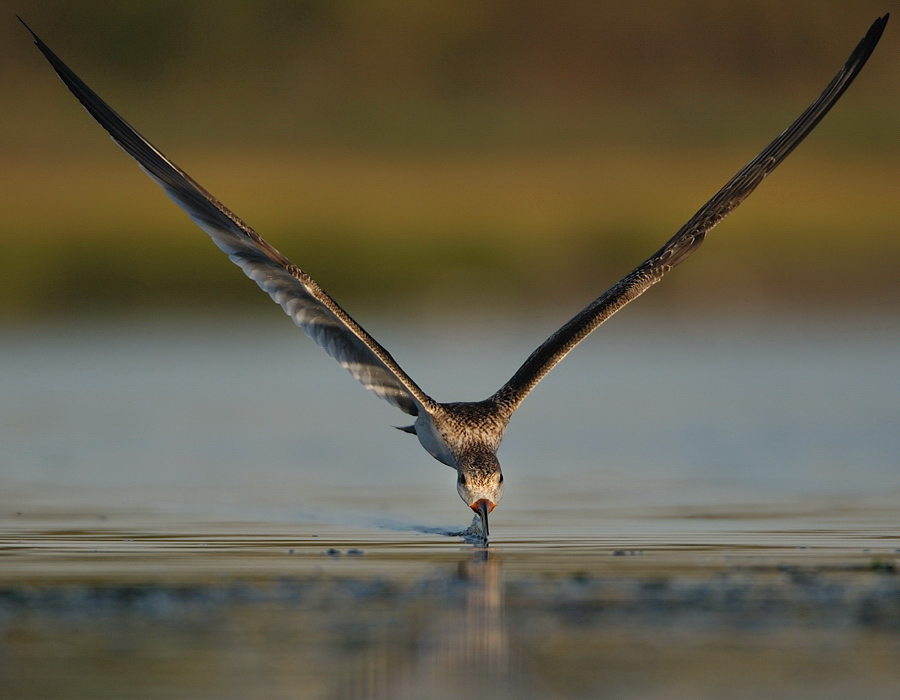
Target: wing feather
689,237
295,291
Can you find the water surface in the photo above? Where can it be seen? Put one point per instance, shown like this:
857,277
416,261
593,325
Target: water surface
215,509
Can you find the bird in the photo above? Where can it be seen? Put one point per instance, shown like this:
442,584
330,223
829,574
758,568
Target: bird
463,435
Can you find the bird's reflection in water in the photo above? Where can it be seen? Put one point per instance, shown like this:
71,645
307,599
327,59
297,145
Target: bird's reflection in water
457,644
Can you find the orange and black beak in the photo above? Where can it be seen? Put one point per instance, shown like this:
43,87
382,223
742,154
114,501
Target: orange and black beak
483,506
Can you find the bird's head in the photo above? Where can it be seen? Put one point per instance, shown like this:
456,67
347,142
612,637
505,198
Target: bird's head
480,482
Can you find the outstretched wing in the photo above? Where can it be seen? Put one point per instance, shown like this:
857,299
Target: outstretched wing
689,237
297,293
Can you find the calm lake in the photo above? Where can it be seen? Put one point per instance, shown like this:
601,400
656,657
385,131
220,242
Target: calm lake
694,508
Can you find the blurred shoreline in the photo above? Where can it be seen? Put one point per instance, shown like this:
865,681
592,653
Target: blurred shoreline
449,155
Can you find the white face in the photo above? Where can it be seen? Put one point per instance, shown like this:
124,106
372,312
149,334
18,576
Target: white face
474,486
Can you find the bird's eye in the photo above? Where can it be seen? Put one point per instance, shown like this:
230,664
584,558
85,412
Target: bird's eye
501,478
462,479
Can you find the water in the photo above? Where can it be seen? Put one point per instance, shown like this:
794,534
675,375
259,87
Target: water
215,509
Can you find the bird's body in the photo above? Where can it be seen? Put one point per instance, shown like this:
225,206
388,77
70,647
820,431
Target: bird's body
463,435
450,429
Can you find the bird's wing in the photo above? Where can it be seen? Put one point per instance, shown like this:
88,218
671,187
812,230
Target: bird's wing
297,293
689,237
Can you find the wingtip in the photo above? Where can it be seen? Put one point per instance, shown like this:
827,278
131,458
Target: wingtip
37,40
878,26
865,47
24,24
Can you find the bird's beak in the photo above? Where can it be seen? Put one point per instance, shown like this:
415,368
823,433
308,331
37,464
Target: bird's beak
483,506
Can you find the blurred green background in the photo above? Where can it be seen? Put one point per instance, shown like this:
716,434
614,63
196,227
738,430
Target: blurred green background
448,155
